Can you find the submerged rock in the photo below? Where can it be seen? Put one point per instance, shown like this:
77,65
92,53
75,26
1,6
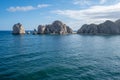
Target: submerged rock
108,27
18,29
57,27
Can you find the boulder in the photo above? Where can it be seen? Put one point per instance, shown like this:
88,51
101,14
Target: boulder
57,27
41,29
18,29
108,27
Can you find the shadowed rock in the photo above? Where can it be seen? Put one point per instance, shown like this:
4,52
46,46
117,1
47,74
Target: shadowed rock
18,29
34,32
108,27
41,29
57,27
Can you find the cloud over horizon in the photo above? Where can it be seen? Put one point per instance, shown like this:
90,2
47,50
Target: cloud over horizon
88,2
93,14
74,13
26,8
82,2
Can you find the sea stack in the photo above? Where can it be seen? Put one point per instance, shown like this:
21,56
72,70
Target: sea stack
57,27
18,29
108,27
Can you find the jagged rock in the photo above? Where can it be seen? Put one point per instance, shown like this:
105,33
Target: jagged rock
69,30
117,22
34,32
18,29
92,28
41,29
57,27
108,27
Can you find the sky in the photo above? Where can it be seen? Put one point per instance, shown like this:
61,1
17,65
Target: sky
74,13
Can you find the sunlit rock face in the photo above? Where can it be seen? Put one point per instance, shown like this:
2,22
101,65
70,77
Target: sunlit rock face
108,27
57,27
18,29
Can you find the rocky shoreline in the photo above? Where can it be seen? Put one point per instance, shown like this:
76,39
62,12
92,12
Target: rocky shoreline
58,27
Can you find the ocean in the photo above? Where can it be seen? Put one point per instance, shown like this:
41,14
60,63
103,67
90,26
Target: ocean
59,57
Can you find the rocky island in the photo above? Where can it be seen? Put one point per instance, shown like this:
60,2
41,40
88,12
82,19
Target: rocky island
108,27
18,29
57,27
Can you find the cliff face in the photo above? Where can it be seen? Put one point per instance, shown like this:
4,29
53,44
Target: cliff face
18,29
57,27
108,27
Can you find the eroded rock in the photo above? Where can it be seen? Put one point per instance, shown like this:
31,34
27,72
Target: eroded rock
18,29
108,27
57,27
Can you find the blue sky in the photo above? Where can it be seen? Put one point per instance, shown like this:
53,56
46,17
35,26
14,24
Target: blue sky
74,13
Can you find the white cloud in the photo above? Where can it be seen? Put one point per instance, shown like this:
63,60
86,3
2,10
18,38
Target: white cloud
23,8
94,14
26,8
82,2
85,3
43,5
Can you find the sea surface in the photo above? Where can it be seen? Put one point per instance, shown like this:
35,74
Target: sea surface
59,57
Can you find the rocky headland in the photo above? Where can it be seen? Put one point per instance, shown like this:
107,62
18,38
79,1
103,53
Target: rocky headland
108,27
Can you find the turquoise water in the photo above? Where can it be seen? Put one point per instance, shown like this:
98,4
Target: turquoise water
59,57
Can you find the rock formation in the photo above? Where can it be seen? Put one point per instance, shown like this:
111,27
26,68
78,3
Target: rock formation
57,27
108,27
41,29
18,29
34,32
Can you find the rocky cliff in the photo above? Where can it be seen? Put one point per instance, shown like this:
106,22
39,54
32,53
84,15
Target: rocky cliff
108,27
57,27
18,29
